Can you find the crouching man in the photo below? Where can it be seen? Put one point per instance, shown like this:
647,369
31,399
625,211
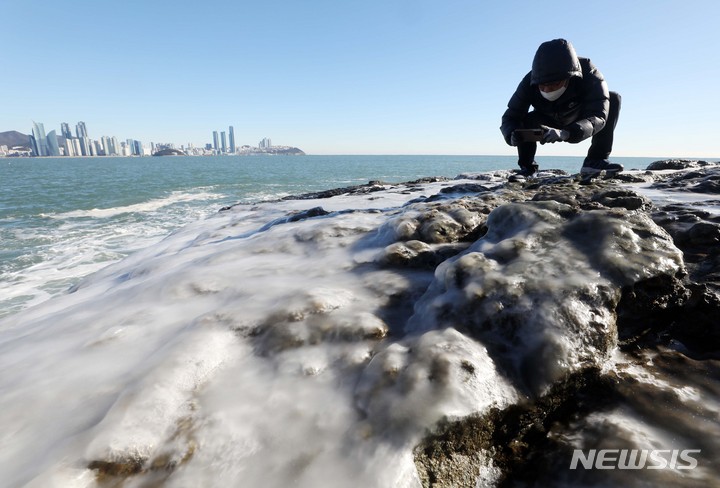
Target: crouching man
571,102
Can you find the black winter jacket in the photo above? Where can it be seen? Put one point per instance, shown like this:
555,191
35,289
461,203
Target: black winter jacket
582,110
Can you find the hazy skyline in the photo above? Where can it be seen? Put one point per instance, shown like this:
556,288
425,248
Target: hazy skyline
397,77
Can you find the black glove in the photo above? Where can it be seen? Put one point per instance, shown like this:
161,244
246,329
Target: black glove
514,139
554,135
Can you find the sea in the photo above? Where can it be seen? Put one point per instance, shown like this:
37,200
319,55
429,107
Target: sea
62,219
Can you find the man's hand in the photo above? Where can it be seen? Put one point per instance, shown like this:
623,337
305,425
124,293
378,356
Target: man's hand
514,141
554,135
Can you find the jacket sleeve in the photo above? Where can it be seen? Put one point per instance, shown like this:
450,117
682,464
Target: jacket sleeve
517,109
595,104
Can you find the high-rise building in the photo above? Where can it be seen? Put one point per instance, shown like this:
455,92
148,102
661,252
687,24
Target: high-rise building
77,148
265,144
216,144
84,146
223,142
81,130
105,140
38,140
233,148
52,144
65,130
69,147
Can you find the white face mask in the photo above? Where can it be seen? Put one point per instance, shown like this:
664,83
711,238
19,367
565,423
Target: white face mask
553,95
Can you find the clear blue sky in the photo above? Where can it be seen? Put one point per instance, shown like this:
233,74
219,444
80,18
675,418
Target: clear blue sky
352,77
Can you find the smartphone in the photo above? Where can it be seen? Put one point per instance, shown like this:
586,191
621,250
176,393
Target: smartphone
529,135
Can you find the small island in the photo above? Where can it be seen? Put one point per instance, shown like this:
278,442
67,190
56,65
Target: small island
272,150
169,152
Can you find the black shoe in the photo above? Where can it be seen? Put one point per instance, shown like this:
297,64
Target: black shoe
595,166
527,171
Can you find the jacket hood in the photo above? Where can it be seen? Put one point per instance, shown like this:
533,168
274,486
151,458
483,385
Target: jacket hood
555,60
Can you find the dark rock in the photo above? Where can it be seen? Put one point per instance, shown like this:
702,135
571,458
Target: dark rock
697,326
517,438
307,214
704,180
123,469
707,186
634,177
428,179
465,188
704,234
417,254
622,198
371,187
674,164
697,233
647,308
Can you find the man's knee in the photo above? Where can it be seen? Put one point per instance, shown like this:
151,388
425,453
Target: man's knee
615,100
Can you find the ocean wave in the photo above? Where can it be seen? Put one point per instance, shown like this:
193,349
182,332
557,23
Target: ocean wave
144,207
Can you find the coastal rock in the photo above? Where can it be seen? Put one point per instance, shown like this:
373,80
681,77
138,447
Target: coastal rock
444,219
514,444
541,287
675,164
696,326
417,254
410,385
697,233
370,187
587,198
464,188
533,443
703,180
627,199
438,222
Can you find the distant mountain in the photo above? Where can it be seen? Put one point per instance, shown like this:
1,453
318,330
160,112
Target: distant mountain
14,138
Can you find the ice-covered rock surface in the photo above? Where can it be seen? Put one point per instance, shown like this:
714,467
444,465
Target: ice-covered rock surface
436,333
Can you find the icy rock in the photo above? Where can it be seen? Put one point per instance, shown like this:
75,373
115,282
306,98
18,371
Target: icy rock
704,180
623,198
417,254
509,446
464,188
697,233
410,385
436,222
540,289
321,315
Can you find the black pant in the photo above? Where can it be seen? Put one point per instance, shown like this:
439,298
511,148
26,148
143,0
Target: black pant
600,145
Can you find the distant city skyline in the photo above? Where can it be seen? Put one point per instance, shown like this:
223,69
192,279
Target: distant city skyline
372,77
79,144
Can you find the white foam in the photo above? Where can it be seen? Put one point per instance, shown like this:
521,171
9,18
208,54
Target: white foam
143,207
72,249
